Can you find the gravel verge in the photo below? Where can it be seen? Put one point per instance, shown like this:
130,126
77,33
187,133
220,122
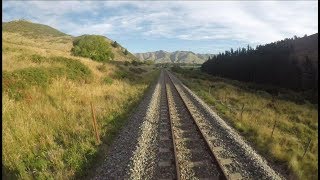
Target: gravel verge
251,164
132,154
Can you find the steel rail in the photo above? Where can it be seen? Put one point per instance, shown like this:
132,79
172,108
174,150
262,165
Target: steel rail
224,174
178,175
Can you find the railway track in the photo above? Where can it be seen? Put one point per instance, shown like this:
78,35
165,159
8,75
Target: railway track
187,152
175,135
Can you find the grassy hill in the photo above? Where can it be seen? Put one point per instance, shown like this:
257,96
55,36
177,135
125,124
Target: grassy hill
30,29
46,114
34,31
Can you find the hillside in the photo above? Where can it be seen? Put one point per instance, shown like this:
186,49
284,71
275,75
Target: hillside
173,57
46,96
33,30
306,46
290,63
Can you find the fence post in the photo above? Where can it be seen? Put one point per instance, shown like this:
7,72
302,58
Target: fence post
274,126
305,151
95,123
242,111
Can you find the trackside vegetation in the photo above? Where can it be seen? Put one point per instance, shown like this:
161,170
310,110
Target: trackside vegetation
46,115
92,46
281,126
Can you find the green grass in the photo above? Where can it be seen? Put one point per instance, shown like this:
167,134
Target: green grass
61,142
30,29
17,81
112,124
296,119
92,46
47,121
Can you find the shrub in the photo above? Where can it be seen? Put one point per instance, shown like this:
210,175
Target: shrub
115,44
101,68
149,62
126,63
120,75
136,63
125,52
92,46
108,80
137,70
37,58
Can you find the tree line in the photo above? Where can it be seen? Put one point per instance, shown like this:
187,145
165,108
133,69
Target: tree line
273,64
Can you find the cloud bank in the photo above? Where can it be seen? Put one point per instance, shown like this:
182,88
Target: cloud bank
205,23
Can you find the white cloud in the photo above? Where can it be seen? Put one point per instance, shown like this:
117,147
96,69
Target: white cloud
253,21
99,29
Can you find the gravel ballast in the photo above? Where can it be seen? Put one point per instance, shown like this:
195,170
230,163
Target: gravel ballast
132,154
246,160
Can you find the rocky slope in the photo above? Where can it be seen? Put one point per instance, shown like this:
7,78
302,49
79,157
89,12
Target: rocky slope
173,57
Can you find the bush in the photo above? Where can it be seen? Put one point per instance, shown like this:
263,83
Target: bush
102,68
108,80
92,46
136,63
149,62
126,63
120,75
37,58
115,44
137,70
125,52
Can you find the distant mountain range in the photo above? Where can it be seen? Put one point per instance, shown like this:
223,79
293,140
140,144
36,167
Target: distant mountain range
173,57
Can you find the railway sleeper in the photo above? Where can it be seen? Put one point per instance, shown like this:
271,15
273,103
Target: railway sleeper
235,176
187,139
198,163
164,138
164,150
165,163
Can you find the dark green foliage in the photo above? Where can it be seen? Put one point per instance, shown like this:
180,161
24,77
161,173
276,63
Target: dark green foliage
120,75
136,63
30,29
126,63
115,44
108,80
125,52
92,46
272,64
149,62
37,58
137,70
262,89
17,81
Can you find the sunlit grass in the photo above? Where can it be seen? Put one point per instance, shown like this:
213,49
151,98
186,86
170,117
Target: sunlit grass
296,124
48,131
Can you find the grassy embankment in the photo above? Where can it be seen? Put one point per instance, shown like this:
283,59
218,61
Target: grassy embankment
47,121
251,110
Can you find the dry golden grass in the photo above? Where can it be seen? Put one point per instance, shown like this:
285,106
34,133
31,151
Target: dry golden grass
296,123
49,134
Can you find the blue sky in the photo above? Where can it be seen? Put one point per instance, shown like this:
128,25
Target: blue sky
198,26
